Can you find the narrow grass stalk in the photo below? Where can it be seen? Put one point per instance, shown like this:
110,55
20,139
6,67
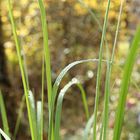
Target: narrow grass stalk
88,128
99,71
84,100
22,69
125,85
4,115
106,98
108,76
39,117
47,62
33,112
59,107
20,113
46,49
42,98
5,136
22,103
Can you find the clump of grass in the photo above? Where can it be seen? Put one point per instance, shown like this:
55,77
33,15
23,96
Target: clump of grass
35,113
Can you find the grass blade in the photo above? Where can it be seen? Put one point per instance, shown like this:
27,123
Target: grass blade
46,49
4,115
5,136
59,107
47,61
62,93
84,99
64,72
99,71
39,111
33,112
42,99
22,69
107,82
88,128
22,104
124,85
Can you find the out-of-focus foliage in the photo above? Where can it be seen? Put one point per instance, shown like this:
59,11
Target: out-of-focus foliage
73,32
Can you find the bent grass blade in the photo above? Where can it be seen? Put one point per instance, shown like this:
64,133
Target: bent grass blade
5,136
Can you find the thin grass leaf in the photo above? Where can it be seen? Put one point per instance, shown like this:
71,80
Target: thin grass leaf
5,136
84,99
106,98
33,112
107,82
39,111
47,61
59,107
22,69
88,128
64,72
62,93
125,85
4,115
42,98
99,71
46,49
20,113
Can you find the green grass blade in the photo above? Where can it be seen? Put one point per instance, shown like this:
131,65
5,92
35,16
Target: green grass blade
59,107
88,128
62,93
106,98
64,72
107,82
47,61
117,30
39,111
42,99
5,136
84,99
4,115
22,104
46,49
22,69
99,71
125,85
33,112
